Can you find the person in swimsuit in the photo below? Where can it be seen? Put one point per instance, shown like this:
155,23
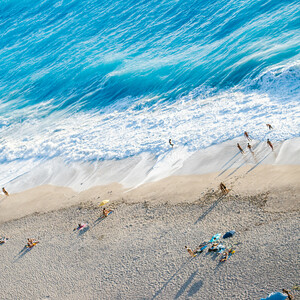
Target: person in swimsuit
224,189
290,297
247,136
190,251
31,243
269,126
106,212
240,148
5,192
224,256
170,142
249,147
270,144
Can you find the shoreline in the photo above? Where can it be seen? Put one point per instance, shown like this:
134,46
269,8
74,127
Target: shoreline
135,171
246,181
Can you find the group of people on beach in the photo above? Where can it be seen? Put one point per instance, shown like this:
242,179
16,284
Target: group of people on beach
215,247
246,135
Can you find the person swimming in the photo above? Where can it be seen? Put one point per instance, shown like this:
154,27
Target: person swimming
269,126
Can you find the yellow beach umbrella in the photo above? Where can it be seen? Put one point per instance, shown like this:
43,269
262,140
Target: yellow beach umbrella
103,202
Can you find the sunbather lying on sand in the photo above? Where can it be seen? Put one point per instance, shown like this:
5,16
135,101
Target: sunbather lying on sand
224,256
106,212
31,243
200,248
290,297
214,247
189,250
80,226
3,240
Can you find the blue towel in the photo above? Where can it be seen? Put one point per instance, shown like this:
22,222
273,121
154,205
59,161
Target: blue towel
275,296
215,237
228,234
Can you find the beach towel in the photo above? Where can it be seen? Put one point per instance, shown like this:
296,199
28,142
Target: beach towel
228,234
220,248
215,237
275,296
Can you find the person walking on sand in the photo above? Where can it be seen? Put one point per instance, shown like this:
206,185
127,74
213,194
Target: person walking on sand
247,136
224,189
190,251
240,148
270,144
250,148
5,192
170,142
269,126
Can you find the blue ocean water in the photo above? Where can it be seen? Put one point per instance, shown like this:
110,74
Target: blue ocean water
95,80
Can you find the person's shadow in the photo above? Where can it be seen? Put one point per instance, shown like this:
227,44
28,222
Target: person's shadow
210,209
83,230
23,252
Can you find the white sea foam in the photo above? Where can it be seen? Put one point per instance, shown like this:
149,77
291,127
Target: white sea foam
134,171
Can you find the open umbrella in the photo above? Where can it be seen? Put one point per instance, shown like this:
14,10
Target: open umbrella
103,202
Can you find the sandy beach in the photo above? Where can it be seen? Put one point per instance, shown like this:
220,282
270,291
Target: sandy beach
138,251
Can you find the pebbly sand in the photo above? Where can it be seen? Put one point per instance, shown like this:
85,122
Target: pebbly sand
138,251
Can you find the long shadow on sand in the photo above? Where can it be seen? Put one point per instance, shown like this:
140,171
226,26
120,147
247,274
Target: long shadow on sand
258,163
99,220
210,209
181,268
185,285
83,231
195,288
24,251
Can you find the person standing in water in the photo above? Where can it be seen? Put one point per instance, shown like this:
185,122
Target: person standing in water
170,142
247,136
269,126
240,148
270,144
250,147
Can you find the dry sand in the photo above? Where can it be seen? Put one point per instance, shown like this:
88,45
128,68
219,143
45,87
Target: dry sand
138,251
